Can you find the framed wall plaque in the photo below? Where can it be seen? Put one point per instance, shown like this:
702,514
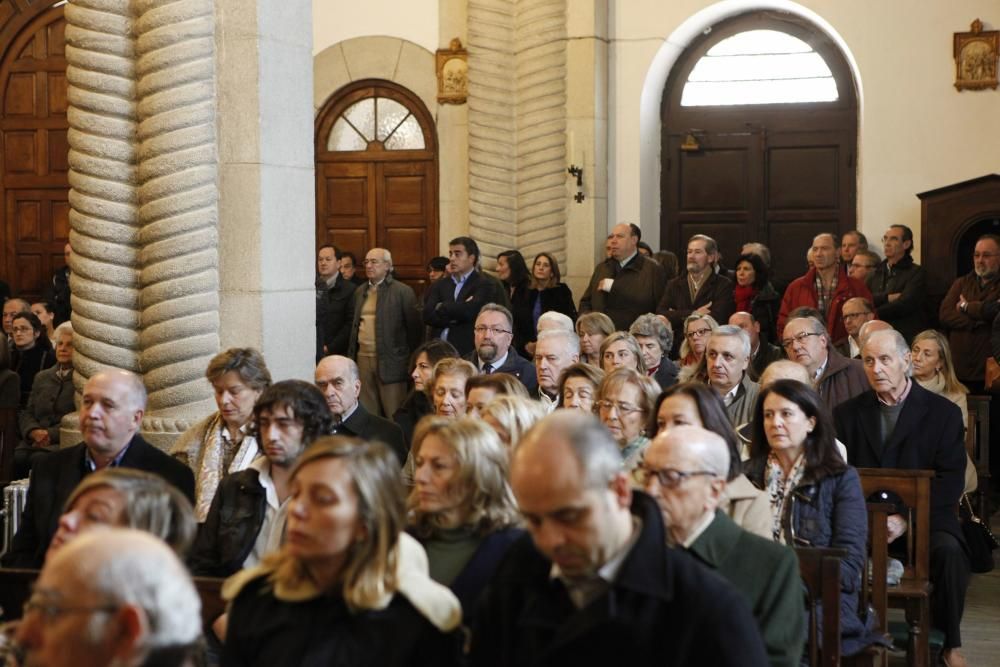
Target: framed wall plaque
453,73
976,58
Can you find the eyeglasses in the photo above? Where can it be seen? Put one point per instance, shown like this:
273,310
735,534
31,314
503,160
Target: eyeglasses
799,338
51,610
699,333
493,331
21,329
668,477
623,408
863,266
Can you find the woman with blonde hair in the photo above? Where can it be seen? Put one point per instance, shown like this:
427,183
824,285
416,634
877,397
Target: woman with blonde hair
511,417
462,509
481,389
346,569
934,371
621,350
625,403
446,388
697,330
593,328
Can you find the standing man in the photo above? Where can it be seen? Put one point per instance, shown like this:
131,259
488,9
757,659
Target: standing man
594,583
850,244
385,329
862,265
762,352
855,313
333,302
626,284
700,289
967,313
453,303
494,354
247,517
898,285
337,377
899,424
58,294
825,287
727,357
111,411
349,269
555,351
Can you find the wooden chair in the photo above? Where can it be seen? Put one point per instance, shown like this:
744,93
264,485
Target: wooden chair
912,593
874,588
977,444
9,437
212,605
820,572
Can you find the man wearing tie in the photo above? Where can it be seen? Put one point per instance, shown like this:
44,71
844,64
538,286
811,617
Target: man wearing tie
493,353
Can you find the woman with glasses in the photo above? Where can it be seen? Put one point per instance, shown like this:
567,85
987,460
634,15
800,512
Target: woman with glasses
348,587
621,350
32,351
625,402
697,329
696,404
593,328
815,497
546,293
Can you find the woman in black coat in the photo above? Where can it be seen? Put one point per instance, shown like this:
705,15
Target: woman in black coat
547,292
32,351
754,294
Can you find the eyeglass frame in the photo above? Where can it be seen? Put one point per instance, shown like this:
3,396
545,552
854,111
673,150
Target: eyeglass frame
699,333
622,408
494,331
642,475
798,338
52,610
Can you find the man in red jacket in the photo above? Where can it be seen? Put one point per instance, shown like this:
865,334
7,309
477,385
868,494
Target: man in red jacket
824,287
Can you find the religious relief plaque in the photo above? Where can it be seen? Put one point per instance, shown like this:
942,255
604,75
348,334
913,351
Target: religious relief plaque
453,73
976,58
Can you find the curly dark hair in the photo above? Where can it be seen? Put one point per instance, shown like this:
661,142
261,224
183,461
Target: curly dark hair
304,401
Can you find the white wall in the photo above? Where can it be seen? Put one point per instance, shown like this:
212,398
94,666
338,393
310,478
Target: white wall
916,131
338,20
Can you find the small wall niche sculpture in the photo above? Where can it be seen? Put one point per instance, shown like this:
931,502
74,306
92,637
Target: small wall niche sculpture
976,58
453,73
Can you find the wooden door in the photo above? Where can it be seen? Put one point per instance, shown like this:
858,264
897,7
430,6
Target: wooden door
34,163
376,176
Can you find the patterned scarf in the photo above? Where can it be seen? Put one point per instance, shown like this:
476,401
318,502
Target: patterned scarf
779,488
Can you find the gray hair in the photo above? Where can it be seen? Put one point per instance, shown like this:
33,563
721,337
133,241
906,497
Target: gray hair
872,327
651,326
558,320
570,339
902,349
733,331
759,249
65,327
590,444
497,308
709,448
711,247
817,326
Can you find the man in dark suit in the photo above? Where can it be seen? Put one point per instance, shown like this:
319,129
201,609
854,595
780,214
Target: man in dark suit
333,304
111,411
762,352
685,470
493,353
899,424
339,380
454,302
594,583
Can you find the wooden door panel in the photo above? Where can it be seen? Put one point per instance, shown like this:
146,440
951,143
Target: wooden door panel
405,212
346,194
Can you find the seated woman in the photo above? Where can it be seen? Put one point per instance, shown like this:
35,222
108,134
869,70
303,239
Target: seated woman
546,293
447,386
754,294
481,389
51,399
32,352
815,497
593,328
695,404
462,509
625,402
656,339
126,498
511,417
578,385
224,442
348,586
418,403
621,350
43,311
697,329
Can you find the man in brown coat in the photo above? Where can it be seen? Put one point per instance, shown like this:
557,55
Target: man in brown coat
835,377
962,311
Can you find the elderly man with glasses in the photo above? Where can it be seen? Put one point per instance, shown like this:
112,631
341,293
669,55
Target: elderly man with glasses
856,312
684,470
835,377
493,354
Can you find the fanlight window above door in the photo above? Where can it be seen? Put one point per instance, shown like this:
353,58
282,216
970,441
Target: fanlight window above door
376,122
759,67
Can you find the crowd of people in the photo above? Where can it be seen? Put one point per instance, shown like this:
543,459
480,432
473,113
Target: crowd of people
495,473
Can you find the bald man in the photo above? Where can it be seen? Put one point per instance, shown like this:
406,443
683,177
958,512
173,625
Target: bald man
594,583
684,470
111,410
626,284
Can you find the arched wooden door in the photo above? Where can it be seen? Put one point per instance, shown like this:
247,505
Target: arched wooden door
34,163
759,138
377,176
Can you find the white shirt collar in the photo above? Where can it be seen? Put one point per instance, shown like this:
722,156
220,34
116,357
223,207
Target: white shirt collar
702,526
628,259
263,468
496,363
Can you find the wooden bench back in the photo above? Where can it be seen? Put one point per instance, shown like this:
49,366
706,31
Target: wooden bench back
820,572
914,488
9,437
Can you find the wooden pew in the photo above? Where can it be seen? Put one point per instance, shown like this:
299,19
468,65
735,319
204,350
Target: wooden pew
874,588
977,444
913,591
9,438
820,572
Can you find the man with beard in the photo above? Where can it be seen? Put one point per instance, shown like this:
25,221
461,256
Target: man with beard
493,353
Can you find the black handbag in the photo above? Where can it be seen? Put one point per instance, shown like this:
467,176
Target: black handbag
978,536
